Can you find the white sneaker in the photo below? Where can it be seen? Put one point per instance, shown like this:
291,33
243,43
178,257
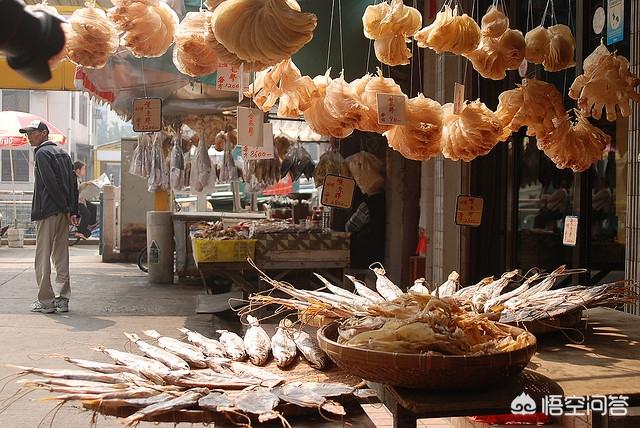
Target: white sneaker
62,305
37,306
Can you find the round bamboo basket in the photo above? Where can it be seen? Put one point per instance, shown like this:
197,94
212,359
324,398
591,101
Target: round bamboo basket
568,321
430,372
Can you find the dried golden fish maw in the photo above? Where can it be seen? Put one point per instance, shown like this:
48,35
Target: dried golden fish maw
494,22
419,139
472,133
148,25
535,104
212,4
319,118
450,32
342,101
390,25
91,38
574,145
607,84
262,31
537,41
369,98
512,48
192,53
562,46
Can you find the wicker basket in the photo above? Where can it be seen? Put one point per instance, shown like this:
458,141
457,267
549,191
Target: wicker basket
424,371
568,321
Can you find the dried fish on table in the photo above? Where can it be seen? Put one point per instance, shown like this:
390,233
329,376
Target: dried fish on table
233,344
283,346
188,399
130,402
165,357
385,286
267,378
450,286
257,343
151,369
70,383
364,291
80,375
260,401
101,367
361,301
210,379
216,401
119,394
189,353
310,350
296,393
210,347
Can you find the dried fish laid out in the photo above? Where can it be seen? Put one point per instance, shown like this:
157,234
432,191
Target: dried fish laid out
257,342
148,26
193,53
553,47
141,160
391,26
606,83
450,32
283,346
91,38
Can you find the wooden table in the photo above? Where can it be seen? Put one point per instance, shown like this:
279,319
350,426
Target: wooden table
607,363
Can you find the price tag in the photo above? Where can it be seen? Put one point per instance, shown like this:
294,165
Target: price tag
570,236
265,151
245,77
228,77
147,114
522,70
337,191
469,210
391,109
458,98
250,125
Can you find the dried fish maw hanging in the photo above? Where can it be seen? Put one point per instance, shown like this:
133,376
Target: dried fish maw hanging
319,118
91,38
562,46
369,97
537,41
192,53
450,32
342,101
494,22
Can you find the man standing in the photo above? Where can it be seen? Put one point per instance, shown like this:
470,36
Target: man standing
54,206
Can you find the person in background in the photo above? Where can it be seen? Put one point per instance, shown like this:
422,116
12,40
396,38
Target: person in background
367,227
87,210
555,204
54,206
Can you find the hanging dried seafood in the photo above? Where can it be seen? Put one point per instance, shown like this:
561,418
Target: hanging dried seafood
391,25
342,101
158,170
322,120
281,145
367,170
210,124
192,53
297,162
494,22
91,37
229,170
450,32
553,47
607,84
574,145
148,25
260,174
262,31
177,166
534,104
282,81
331,162
141,160
367,90
419,139
471,133
203,172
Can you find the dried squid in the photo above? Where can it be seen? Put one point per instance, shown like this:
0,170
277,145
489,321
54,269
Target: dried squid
391,25
193,54
450,32
262,31
320,118
419,138
91,38
553,47
471,133
148,25
574,145
367,89
534,103
607,84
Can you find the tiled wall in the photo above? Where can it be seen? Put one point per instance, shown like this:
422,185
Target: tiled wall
633,160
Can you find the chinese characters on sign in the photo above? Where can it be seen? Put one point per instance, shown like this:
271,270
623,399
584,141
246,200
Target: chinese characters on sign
337,191
147,114
469,210
250,125
611,405
265,151
391,109
570,235
228,77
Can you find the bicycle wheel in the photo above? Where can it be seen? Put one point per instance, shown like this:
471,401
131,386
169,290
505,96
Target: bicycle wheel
142,260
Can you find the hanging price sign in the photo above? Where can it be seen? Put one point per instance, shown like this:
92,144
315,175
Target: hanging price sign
228,77
458,98
250,126
391,109
337,191
147,115
265,151
469,210
570,235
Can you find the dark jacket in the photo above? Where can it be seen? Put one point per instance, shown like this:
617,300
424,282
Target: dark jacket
367,226
56,187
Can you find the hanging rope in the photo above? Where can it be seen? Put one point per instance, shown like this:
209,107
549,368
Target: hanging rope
341,45
333,5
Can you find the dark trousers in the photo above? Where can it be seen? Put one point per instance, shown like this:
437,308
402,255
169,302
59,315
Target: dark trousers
88,214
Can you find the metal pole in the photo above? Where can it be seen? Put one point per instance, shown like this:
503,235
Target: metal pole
13,186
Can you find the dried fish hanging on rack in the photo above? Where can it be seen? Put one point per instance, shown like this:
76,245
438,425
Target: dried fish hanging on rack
203,171
229,169
141,160
177,165
391,25
159,169
297,162
260,174
91,38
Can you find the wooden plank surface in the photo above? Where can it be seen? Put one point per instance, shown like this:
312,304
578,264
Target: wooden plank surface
608,362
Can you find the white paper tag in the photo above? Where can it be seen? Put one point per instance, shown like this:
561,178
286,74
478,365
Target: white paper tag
458,98
147,114
337,191
228,78
570,236
245,77
469,210
391,109
265,151
250,126
522,70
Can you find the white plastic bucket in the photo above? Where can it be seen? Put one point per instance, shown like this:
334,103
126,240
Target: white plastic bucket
15,238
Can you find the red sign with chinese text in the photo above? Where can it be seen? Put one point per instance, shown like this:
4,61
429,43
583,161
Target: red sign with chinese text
337,191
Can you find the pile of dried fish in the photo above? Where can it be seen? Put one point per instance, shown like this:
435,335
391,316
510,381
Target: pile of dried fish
216,230
205,375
